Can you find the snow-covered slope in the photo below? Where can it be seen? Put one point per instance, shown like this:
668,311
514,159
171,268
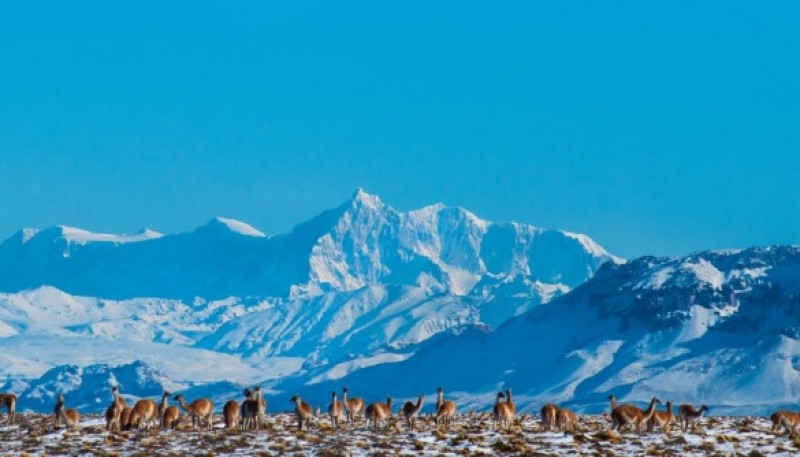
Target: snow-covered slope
720,327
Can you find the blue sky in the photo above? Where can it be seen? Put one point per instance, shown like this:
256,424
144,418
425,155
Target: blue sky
655,128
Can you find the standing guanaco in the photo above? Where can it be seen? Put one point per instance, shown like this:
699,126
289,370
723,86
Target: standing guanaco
69,417
144,414
549,416
9,400
353,407
789,420
253,408
445,409
335,410
114,411
230,414
199,410
688,415
302,411
410,411
634,417
661,419
566,420
501,413
171,417
377,412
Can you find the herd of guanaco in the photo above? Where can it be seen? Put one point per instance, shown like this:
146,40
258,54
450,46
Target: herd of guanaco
250,413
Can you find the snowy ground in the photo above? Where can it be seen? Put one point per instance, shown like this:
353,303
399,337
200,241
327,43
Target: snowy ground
35,434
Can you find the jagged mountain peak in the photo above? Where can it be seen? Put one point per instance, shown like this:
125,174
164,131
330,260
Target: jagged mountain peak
362,198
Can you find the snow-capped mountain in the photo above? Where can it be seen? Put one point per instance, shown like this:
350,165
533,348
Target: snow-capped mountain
719,327
357,286
362,242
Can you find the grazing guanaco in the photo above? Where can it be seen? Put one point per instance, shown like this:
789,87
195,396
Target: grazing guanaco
335,410
632,416
661,419
353,407
171,417
69,417
379,412
230,413
549,416
566,420
199,410
445,410
501,413
114,411
144,414
789,420
410,411
125,418
302,411
9,401
688,415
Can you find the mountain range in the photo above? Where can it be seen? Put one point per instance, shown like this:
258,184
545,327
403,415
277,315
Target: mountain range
357,286
390,302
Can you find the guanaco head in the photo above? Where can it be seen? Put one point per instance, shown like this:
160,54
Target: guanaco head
294,399
60,398
166,394
333,394
703,408
344,389
439,390
178,397
500,396
248,393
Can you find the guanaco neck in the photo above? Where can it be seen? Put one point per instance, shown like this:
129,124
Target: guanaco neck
418,405
650,409
182,402
439,399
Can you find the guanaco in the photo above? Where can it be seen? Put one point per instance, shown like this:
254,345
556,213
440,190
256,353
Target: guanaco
114,411
69,417
566,420
377,412
786,419
199,410
302,411
549,415
661,419
335,410
353,407
170,418
445,410
9,401
125,418
688,415
501,413
163,405
144,414
511,403
410,411
253,408
439,398
230,414
634,417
